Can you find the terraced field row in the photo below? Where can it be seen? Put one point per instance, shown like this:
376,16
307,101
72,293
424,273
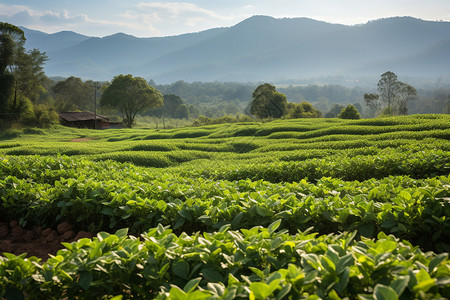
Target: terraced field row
304,209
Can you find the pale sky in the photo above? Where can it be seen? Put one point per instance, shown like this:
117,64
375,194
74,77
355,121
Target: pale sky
163,18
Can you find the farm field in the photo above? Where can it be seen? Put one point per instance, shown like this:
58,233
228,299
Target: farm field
288,209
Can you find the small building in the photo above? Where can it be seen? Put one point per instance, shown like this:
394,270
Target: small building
86,119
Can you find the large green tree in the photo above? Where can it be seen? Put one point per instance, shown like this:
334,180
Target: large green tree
22,75
334,111
392,96
29,74
268,103
350,112
130,95
302,110
72,94
12,40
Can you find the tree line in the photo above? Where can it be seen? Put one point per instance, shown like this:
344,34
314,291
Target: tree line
22,81
27,95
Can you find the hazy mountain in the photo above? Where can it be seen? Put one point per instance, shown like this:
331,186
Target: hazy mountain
52,42
257,49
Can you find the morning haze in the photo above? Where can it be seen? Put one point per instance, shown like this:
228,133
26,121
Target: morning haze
260,48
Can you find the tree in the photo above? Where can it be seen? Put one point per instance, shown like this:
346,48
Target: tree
392,96
130,95
358,106
302,110
73,93
334,111
405,94
350,112
22,76
267,102
388,87
12,39
29,74
373,102
171,105
182,112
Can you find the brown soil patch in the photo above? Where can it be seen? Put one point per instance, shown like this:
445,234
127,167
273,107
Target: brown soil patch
37,241
81,140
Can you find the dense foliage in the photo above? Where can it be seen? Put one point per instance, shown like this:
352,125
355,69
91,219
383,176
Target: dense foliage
350,112
130,95
393,96
22,81
298,208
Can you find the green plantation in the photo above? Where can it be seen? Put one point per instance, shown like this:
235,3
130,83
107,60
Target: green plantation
287,209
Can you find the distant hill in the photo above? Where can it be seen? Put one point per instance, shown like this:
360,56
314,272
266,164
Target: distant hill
260,48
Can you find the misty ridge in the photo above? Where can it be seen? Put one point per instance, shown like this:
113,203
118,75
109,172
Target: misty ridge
259,48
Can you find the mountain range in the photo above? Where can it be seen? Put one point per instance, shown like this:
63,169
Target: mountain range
260,48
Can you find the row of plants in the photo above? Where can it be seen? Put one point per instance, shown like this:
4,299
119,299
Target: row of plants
288,163
192,197
256,263
59,138
342,164
98,197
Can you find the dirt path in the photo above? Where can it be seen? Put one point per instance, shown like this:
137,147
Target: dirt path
37,242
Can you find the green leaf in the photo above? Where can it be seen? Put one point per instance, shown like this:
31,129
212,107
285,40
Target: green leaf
163,270
176,293
400,284
343,281
185,214
274,226
232,280
192,284
85,280
344,262
118,297
102,235
216,288
422,275
261,290
257,272
328,264
436,261
179,222
206,220
385,246
212,275
284,291
366,230
181,269
382,292
107,211
96,251
405,195
333,295
235,223
327,215
264,211
122,232
424,285
224,228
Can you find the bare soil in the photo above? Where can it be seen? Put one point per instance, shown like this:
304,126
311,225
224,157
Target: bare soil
37,242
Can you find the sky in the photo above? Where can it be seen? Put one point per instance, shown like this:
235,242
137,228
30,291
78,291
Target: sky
143,18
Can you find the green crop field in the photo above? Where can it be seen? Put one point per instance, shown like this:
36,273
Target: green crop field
288,209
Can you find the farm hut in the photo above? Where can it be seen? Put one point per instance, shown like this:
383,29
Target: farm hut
86,119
